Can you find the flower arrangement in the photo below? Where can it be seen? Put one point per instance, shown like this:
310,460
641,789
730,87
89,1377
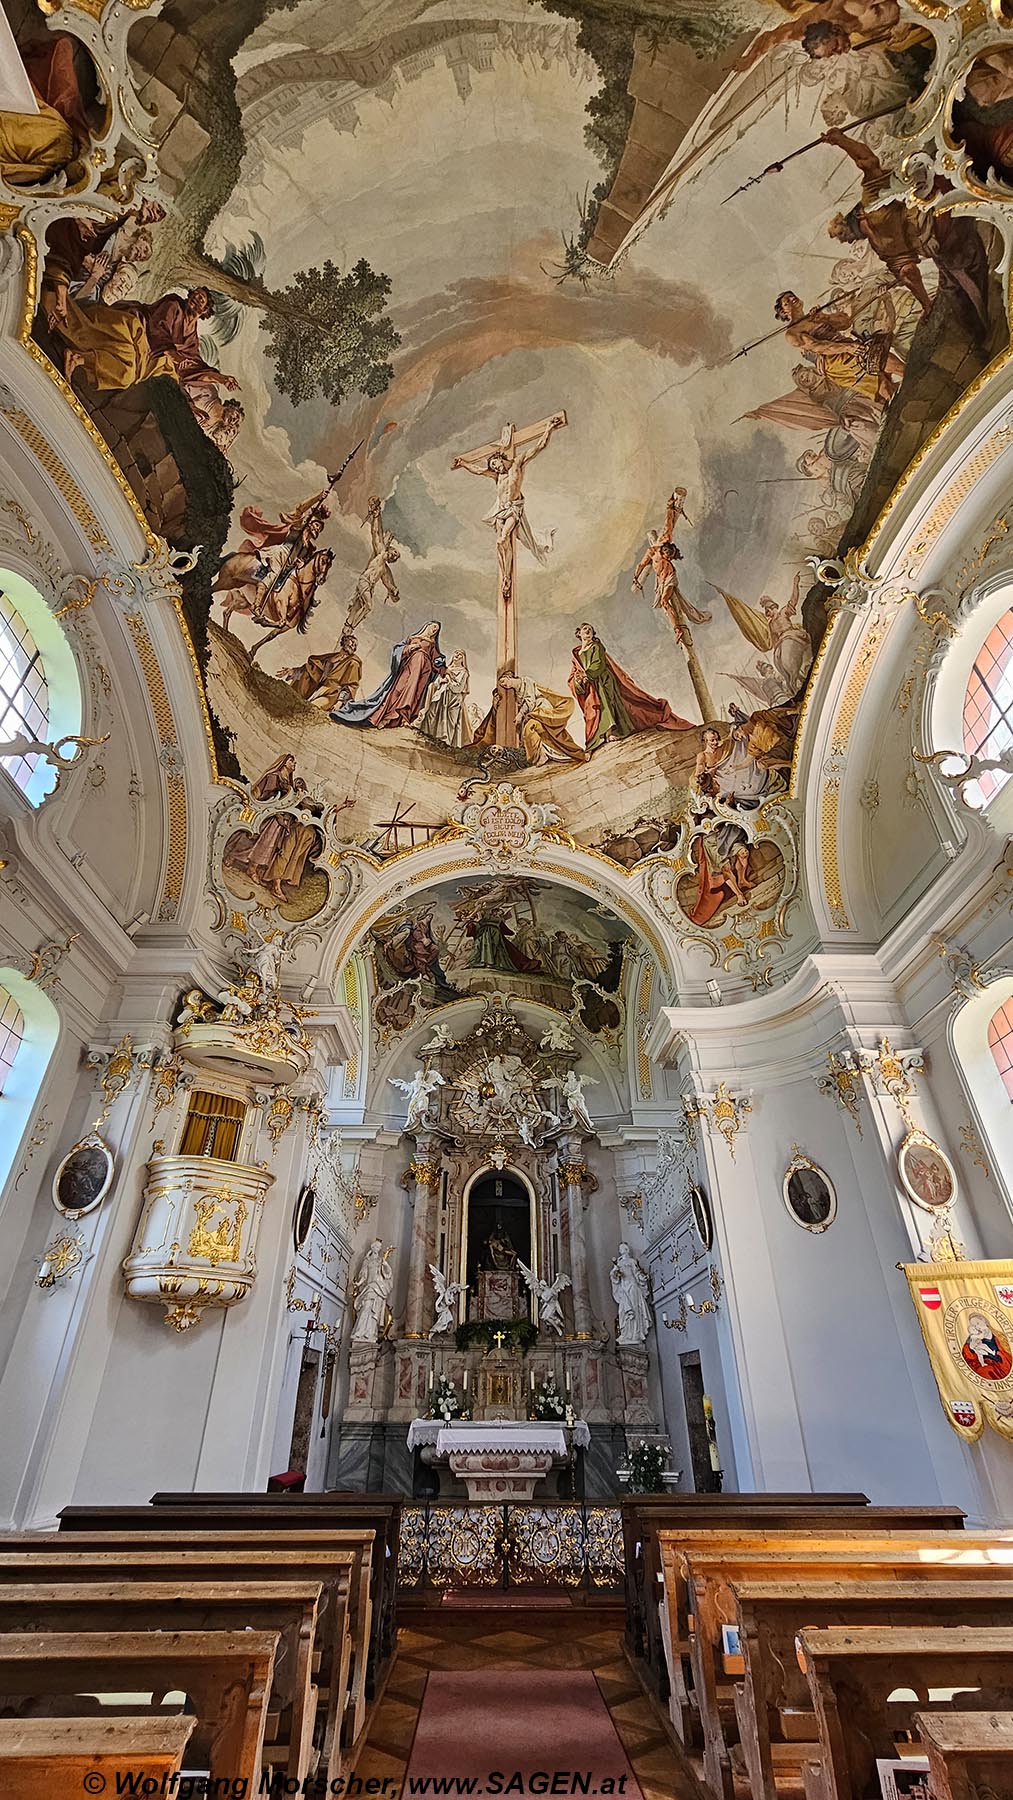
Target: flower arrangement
646,1464
546,1401
444,1403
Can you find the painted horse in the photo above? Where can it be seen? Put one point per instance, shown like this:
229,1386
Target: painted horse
271,588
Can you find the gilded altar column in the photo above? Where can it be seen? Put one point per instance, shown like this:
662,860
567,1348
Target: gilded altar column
424,1173
573,1175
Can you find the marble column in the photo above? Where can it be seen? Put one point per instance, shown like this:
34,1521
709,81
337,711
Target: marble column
572,1173
424,1173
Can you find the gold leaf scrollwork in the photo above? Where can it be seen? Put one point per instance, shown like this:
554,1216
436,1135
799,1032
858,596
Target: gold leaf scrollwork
223,1243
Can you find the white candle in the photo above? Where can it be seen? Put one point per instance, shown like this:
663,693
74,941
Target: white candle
531,1372
466,1381
430,1380
568,1381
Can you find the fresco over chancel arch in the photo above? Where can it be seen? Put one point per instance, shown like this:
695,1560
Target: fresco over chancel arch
511,374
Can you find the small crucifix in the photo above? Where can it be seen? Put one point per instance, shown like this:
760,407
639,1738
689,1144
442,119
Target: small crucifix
504,462
499,1339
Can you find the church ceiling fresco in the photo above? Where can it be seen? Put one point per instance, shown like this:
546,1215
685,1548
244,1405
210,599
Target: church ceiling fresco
506,934
512,365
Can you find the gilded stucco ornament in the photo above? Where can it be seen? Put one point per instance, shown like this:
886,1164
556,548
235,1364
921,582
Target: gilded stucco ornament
843,1083
503,826
722,1112
748,933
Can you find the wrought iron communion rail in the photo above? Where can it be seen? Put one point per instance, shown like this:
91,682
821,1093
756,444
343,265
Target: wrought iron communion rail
569,1545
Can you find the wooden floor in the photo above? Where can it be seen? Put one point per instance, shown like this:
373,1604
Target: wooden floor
557,1638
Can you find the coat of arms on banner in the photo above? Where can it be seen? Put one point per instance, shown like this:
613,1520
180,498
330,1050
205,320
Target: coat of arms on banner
965,1310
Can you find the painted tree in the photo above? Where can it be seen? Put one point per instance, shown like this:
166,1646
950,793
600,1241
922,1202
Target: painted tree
328,332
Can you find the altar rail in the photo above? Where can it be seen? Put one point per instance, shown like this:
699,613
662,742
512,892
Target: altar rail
566,1545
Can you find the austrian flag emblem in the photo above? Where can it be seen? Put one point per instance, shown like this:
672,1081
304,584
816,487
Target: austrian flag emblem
931,1298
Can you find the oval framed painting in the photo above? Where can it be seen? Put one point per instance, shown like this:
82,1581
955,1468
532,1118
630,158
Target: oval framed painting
926,1172
703,1218
809,1194
304,1215
84,1177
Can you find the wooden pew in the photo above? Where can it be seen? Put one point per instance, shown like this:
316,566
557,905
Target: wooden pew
645,1515
226,1674
969,1754
167,1561
852,1674
290,1608
42,1759
357,1543
770,1616
699,1568
288,1512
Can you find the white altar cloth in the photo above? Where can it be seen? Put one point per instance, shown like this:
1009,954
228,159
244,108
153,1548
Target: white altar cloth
425,1433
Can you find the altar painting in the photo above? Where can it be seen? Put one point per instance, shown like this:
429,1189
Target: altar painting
495,464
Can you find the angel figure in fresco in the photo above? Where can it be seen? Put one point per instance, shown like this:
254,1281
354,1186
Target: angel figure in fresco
420,1090
828,28
446,1294
377,570
549,1295
612,704
661,555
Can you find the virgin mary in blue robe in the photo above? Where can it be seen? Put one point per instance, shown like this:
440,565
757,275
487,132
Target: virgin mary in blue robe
414,665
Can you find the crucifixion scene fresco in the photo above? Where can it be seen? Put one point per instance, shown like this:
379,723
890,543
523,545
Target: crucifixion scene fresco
640,271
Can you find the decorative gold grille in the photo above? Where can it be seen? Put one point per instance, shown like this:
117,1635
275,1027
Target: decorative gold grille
567,1545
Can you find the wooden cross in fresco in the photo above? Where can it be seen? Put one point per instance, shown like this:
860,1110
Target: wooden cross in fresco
504,463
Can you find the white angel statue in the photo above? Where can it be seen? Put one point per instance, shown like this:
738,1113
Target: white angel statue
548,1295
572,1088
440,1040
446,1294
420,1090
556,1036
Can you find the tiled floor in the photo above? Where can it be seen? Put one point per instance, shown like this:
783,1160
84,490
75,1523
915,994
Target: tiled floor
535,1640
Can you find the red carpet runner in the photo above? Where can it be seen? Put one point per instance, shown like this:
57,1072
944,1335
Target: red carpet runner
518,1733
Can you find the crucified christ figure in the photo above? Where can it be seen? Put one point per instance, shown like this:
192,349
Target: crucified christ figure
377,570
661,555
504,463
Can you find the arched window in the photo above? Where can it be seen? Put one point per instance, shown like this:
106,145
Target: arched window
24,690
29,1028
1000,1042
12,1031
988,703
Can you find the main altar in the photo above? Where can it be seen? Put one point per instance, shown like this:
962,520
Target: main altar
503,1460
497,1378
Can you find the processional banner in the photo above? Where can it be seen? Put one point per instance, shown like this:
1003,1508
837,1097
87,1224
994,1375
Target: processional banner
965,1310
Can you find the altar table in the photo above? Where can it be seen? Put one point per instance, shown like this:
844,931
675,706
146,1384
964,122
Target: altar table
498,1459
